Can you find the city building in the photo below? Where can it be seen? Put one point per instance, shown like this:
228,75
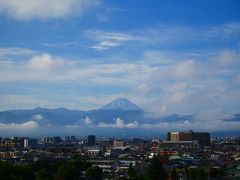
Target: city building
25,143
180,144
67,138
73,138
94,151
202,137
118,144
91,140
56,139
32,142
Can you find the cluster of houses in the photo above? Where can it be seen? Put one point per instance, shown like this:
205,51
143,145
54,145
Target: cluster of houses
180,151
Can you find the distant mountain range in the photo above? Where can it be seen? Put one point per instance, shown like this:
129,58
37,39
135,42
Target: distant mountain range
120,108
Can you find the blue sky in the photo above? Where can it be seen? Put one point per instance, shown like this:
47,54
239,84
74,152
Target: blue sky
166,56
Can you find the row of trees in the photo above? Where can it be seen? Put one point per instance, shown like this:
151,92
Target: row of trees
155,171
50,170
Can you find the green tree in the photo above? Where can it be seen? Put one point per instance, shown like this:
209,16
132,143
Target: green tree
196,174
214,172
131,172
42,175
174,174
94,173
67,172
11,171
155,170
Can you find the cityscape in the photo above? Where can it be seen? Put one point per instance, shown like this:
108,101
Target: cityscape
119,90
183,155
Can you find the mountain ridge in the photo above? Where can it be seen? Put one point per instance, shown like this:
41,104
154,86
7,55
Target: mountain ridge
106,114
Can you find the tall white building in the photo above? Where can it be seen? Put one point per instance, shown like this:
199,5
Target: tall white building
25,143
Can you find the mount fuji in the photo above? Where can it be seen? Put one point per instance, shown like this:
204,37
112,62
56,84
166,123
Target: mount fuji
121,104
120,113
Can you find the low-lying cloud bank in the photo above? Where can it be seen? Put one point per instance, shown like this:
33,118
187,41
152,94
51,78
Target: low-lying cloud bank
29,125
22,129
34,128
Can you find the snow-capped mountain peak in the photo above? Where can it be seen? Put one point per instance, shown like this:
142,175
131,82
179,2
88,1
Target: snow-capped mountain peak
121,103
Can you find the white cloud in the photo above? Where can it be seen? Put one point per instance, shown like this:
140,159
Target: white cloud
145,87
64,44
215,125
48,68
213,115
168,34
227,58
119,123
134,124
179,86
29,125
162,34
178,97
37,117
237,78
157,57
185,70
46,62
44,9
15,51
104,45
104,125
87,121
107,40
75,126
207,126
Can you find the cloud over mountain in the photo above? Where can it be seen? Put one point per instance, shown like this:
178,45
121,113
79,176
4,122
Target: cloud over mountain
110,121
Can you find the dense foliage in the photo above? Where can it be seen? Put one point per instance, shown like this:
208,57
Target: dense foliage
44,169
